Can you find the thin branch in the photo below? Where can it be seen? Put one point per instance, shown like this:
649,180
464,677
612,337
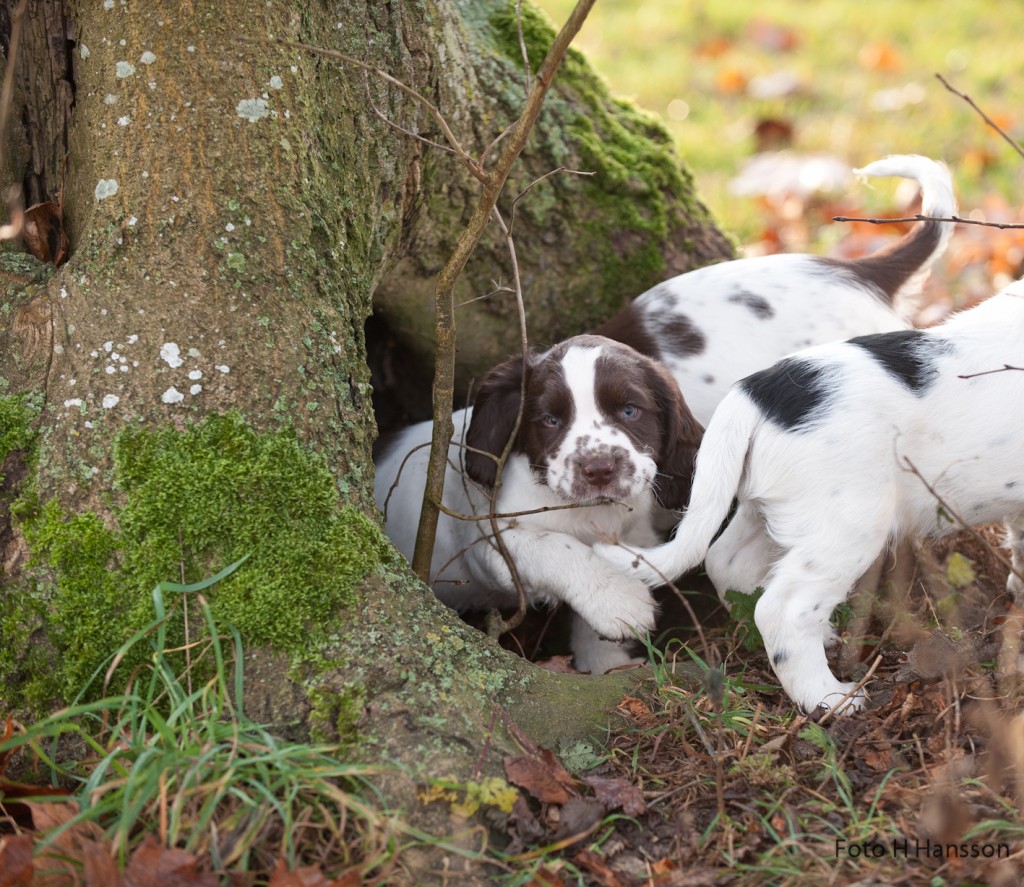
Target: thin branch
537,181
956,517
522,43
1005,368
984,116
14,202
444,309
922,218
460,152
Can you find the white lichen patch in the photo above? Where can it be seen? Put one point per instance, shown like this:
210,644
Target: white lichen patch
73,402
172,395
110,99
108,347
195,389
83,50
194,352
105,188
223,369
124,121
195,374
252,109
171,353
110,370
110,401
276,82
132,339
147,58
124,69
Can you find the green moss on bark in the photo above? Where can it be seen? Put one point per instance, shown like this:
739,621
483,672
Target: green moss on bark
640,192
194,501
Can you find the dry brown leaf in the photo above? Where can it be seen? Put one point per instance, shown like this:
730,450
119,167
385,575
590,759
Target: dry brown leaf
43,233
304,876
153,865
540,779
16,860
617,794
595,865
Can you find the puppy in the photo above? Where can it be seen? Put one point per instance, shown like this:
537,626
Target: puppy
605,444
713,326
829,452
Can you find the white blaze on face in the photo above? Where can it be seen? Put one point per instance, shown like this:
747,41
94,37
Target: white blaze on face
593,434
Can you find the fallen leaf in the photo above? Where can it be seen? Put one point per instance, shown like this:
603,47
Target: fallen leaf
16,860
617,794
594,864
880,56
634,708
558,664
153,865
730,81
540,779
43,233
304,876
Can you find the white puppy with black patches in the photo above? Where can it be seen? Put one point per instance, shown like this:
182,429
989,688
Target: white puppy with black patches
605,446
828,453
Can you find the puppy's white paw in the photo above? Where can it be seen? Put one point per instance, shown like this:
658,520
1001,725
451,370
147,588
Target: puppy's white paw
618,609
842,699
1015,587
629,563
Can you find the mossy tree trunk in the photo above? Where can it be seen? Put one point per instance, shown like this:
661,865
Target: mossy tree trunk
192,385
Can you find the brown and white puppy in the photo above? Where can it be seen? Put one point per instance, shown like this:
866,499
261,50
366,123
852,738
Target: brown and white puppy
605,431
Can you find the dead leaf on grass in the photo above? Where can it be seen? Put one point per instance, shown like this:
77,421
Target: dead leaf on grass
543,776
16,860
617,794
595,865
153,865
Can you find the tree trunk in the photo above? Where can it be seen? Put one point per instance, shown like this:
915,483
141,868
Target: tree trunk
192,386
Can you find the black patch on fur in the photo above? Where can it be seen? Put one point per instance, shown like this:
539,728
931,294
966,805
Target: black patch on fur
789,393
758,304
681,337
908,355
779,658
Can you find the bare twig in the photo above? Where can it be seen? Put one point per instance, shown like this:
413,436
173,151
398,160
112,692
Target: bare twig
444,371
984,116
956,517
473,166
1005,368
13,196
922,218
537,181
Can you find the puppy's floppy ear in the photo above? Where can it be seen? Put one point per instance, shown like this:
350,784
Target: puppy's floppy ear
494,417
681,434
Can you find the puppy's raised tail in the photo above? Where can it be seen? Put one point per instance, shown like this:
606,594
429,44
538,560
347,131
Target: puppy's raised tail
899,271
717,476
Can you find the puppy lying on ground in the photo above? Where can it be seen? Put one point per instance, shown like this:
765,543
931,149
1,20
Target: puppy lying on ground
600,423
709,328
829,452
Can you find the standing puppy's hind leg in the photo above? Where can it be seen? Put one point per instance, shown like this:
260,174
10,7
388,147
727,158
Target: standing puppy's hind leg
741,557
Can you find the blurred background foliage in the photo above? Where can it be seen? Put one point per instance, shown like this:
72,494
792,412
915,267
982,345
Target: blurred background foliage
832,85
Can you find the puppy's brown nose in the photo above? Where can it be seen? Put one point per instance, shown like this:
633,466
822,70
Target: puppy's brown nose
599,470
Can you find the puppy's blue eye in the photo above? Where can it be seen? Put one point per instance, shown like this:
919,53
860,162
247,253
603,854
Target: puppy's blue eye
551,421
630,411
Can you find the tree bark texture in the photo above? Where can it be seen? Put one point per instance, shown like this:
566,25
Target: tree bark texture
192,386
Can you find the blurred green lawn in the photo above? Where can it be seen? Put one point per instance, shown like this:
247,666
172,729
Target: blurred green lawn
862,74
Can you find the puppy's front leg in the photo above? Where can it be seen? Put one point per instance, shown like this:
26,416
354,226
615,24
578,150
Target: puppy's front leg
1015,542
558,567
